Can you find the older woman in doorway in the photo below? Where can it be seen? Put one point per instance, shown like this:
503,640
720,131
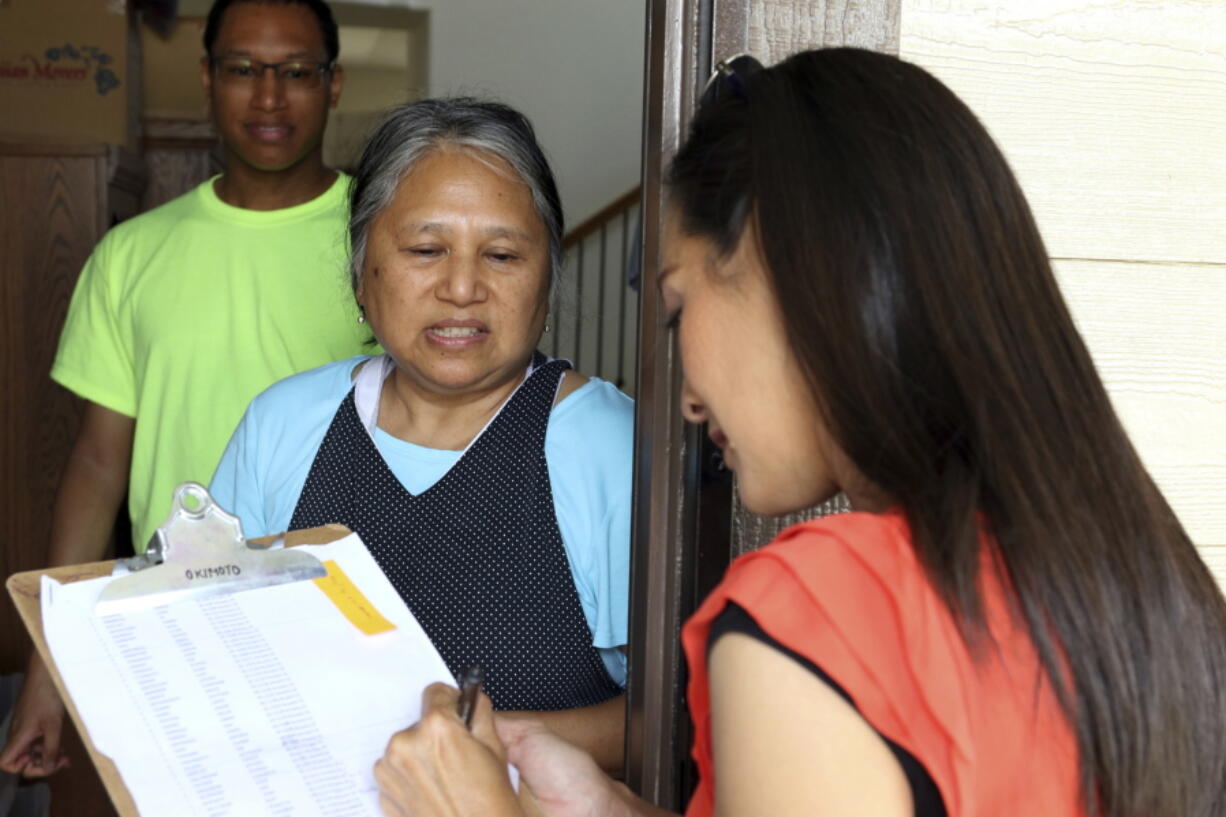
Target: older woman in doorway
1012,622
491,484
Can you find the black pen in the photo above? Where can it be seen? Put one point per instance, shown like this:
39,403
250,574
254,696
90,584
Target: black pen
470,684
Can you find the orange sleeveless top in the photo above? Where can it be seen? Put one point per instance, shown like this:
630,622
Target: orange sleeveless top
848,593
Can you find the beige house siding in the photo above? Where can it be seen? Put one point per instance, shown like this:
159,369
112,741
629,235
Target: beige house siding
1113,115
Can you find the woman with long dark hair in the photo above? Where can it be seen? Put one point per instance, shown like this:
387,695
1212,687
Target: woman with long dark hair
1013,621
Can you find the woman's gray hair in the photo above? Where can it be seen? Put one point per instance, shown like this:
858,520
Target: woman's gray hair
411,132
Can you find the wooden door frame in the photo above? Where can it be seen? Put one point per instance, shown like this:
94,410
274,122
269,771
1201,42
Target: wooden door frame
671,505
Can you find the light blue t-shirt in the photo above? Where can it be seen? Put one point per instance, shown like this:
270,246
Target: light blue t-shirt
589,446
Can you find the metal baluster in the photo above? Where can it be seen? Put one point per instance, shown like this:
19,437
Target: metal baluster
621,302
579,307
555,316
600,306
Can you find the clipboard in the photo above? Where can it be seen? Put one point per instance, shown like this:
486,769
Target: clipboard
24,589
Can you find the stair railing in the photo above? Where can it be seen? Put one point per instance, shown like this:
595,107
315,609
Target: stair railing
595,316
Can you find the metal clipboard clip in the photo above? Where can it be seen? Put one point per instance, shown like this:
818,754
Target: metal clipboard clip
199,552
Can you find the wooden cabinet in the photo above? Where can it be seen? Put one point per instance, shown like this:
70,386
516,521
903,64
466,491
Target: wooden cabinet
178,155
55,204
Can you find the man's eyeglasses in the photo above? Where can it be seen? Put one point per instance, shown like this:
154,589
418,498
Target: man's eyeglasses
241,72
730,79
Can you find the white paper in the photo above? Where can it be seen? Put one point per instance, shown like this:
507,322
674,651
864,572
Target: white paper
267,701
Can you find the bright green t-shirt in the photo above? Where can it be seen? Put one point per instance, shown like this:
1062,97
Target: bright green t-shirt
185,313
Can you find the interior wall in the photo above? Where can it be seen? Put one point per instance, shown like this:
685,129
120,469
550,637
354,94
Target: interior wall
171,72
575,67
1111,114
379,73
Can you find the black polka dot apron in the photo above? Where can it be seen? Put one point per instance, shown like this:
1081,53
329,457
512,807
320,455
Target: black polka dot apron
477,557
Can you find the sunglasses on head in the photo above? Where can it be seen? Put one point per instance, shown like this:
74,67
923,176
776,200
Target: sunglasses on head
729,80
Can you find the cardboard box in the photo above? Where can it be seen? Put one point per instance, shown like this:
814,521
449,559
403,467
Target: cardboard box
69,72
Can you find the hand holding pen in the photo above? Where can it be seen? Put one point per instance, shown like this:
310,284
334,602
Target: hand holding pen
470,686
451,761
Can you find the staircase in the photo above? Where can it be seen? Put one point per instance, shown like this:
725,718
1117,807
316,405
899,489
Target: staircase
595,319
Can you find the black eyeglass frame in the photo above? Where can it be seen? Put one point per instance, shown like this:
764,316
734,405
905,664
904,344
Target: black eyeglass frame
730,77
322,68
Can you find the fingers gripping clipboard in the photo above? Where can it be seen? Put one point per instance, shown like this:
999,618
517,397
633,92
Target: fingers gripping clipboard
198,553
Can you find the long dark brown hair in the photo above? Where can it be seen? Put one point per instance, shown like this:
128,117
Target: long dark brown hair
920,301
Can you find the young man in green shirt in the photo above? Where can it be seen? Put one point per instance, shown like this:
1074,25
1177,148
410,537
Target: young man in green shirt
185,313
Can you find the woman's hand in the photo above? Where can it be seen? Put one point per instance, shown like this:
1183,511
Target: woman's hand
438,768
599,730
563,780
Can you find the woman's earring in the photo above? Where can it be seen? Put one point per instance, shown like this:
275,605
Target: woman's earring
546,325
361,314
